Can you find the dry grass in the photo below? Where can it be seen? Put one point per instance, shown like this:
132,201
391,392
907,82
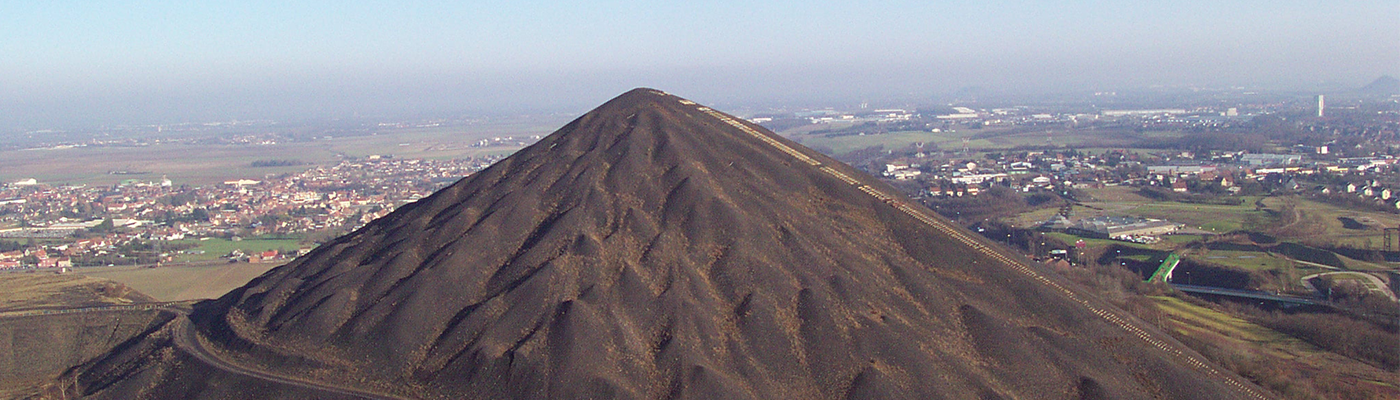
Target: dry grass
186,282
1116,194
1283,363
1322,219
19,290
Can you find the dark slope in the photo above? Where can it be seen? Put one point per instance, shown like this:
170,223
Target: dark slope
1386,85
650,249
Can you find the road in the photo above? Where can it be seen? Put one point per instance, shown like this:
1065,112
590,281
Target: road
1244,293
186,338
1310,263
169,305
1378,284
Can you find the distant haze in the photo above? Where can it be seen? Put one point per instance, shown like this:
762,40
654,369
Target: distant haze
109,62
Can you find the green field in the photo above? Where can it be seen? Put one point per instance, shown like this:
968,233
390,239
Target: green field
1093,242
1250,260
1191,320
1271,358
1033,218
182,282
1213,218
1116,194
1181,239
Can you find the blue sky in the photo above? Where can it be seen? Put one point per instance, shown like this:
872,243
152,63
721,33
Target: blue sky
95,61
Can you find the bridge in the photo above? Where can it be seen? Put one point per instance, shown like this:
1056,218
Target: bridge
1247,294
1164,271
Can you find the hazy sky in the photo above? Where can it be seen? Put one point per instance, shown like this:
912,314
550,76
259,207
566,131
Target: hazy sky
72,62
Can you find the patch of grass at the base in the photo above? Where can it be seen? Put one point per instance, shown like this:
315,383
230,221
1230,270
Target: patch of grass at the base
1285,364
1139,257
1189,318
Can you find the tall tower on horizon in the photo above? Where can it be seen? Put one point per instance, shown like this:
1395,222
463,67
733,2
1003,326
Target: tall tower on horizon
1321,105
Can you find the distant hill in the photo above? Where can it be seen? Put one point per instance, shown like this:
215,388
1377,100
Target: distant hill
1383,86
655,248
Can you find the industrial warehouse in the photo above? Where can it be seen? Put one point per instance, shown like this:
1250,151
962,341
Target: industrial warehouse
1126,228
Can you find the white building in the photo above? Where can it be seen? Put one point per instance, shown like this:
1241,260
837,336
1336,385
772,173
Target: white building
975,179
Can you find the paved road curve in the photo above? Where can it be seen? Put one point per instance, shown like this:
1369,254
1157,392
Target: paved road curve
186,338
1380,285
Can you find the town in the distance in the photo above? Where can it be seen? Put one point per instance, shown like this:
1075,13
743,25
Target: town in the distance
1216,148
1260,228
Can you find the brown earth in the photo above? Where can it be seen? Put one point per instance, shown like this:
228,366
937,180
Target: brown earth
20,291
36,349
654,248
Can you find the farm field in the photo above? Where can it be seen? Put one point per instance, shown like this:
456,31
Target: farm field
182,282
1326,222
209,164
1115,194
1207,217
